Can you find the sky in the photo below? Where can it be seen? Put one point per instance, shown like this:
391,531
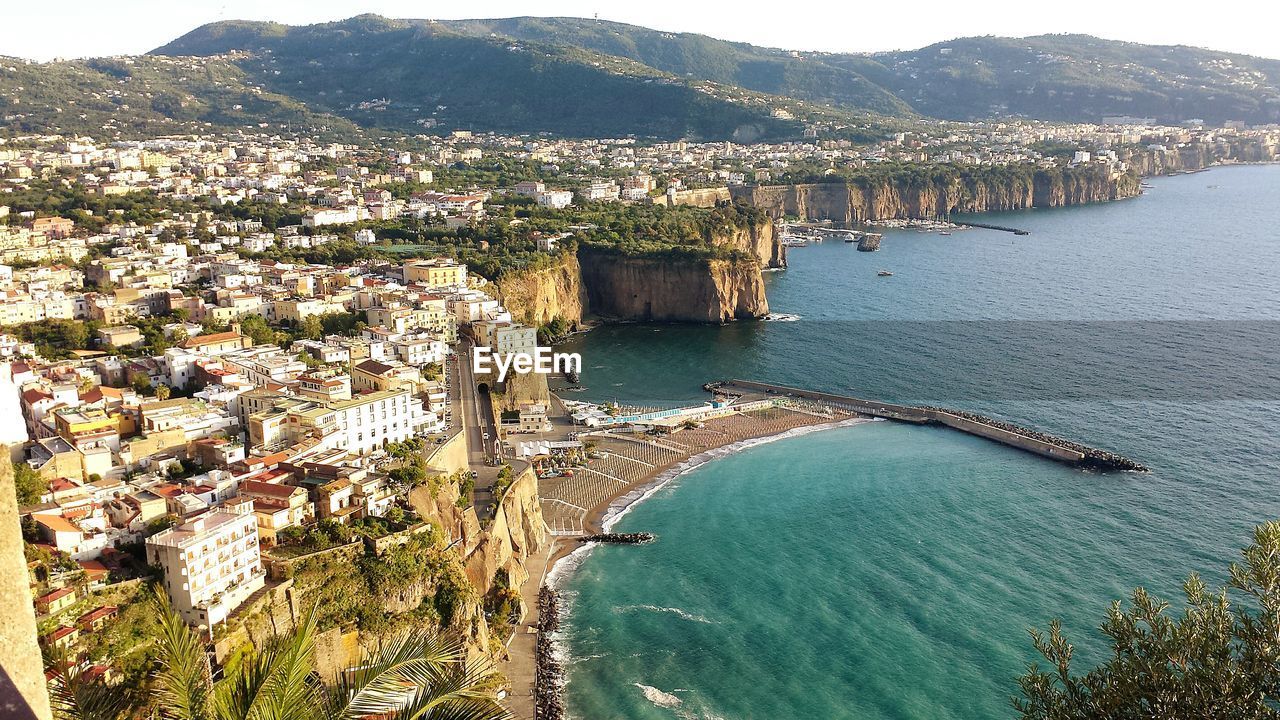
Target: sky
80,28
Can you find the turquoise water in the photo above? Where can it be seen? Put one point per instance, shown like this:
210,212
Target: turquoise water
887,571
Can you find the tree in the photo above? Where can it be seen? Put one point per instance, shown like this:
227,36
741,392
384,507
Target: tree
312,327
1218,659
28,483
140,383
410,674
256,328
163,391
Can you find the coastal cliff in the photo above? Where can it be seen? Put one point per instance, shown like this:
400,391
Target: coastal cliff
445,569
673,289
881,198
516,531
1198,156
758,240
718,281
537,296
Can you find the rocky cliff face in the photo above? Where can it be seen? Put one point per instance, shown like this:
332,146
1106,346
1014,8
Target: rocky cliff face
673,289
668,289
517,530
759,240
474,556
536,297
1197,156
881,199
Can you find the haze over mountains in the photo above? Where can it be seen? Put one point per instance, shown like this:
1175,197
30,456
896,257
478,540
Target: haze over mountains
583,77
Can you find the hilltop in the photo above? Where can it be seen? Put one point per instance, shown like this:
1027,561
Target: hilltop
1049,77
414,74
589,78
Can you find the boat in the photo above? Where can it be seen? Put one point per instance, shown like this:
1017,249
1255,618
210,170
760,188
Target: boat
884,273
944,232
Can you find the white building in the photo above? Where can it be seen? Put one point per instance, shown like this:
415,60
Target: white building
211,562
360,425
555,198
337,216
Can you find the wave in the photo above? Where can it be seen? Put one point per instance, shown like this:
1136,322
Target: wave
565,566
659,698
682,614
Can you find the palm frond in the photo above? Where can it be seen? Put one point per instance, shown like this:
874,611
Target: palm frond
459,709
277,683
74,697
184,682
411,673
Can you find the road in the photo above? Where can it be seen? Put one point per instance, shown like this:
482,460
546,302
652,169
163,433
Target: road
477,413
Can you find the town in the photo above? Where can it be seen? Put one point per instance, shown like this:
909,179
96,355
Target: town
235,354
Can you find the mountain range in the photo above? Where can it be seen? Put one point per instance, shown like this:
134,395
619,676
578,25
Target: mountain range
579,77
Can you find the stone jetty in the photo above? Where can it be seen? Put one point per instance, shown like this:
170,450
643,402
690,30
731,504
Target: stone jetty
640,538
1033,441
548,682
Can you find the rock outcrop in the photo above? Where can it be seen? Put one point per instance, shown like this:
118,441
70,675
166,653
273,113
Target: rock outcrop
672,289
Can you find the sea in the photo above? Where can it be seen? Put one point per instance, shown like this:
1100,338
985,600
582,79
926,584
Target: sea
885,571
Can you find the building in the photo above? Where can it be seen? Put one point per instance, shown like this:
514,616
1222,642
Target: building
56,601
555,199
336,216
533,419
211,562
436,272
217,343
504,338
327,384
277,506
121,336
360,425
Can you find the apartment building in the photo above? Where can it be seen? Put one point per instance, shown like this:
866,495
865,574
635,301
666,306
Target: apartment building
359,425
211,562
436,272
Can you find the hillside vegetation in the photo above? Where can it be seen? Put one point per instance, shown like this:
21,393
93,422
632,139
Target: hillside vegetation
590,78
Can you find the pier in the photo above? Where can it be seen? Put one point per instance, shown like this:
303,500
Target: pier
1026,439
988,226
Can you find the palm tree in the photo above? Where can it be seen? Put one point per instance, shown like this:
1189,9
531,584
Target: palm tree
74,697
414,674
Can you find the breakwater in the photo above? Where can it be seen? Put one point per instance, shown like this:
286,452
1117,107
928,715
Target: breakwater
548,673
640,538
988,226
1027,439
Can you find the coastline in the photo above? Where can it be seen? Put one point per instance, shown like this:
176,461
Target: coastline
565,554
